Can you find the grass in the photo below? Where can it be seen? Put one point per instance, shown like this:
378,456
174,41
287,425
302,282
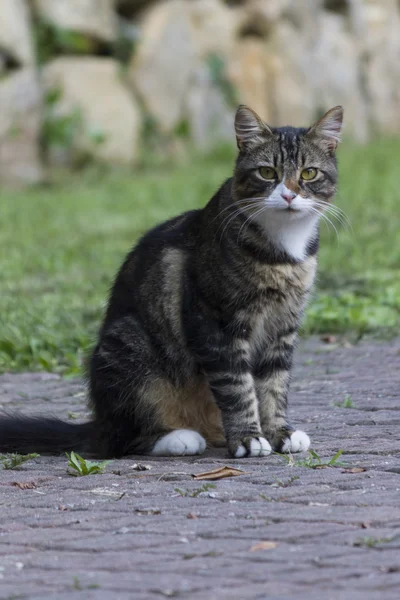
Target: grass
14,461
346,403
60,248
314,461
371,542
194,493
80,467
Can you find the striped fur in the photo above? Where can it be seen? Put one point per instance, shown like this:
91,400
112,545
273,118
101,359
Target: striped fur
203,315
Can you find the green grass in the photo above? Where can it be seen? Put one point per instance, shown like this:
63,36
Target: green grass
80,467
14,461
60,248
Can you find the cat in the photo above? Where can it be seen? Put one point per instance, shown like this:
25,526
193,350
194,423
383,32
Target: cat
197,341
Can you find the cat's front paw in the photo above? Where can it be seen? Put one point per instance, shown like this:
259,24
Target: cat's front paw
297,442
249,446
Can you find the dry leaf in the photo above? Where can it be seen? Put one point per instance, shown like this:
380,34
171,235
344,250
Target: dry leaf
328,339
140,467
147,511
354,470
265,545
24,485
219,473
191,516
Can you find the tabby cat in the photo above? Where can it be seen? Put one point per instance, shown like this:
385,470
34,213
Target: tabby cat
197,342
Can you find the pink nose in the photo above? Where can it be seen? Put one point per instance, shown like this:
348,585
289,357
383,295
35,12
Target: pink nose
288,196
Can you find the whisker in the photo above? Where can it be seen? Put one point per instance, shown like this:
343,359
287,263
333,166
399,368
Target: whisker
251,218
253,200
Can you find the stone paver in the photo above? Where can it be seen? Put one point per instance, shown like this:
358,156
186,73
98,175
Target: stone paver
129,535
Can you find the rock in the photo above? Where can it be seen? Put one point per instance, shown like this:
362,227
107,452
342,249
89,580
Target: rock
210,118
292,99
92,88
379,28
252,73
15,35
166,56
258,16
20,118
335,73
95,18
214,27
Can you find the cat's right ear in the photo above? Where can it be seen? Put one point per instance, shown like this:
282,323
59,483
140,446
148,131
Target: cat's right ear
249,127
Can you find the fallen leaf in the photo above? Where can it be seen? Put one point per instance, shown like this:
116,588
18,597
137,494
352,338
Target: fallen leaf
219,473
141,467
354,470
148,511
328,339
24,485
265,545
191,516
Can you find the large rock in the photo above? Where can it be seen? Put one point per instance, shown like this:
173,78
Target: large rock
291,95
161,68
95,18
92,88
258,16
252,72
335,73
214,27
20,119
15,34
379,26
209,115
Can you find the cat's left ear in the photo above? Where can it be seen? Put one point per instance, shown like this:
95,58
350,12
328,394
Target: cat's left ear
249,127
327,130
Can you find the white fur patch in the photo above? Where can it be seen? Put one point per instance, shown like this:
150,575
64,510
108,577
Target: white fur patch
181,442
291,230
298,442
258,447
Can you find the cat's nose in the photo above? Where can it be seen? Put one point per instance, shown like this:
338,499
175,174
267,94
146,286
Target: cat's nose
288,196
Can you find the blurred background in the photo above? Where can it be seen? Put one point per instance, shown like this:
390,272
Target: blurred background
116,114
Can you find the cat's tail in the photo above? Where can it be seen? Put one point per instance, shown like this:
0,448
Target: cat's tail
44,435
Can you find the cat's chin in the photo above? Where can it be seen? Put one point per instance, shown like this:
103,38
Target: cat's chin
291,214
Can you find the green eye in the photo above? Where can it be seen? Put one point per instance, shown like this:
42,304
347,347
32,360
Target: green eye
309,174
267,172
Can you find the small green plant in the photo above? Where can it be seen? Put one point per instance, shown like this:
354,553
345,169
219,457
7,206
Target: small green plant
196,492
82,467
13,461
370,542
284,484
314,461
347,403
77,585
266,498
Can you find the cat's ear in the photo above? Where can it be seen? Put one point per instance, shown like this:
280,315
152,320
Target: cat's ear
249,127
327,129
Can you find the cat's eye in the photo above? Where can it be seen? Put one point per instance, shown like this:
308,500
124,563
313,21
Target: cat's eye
309,174
267,172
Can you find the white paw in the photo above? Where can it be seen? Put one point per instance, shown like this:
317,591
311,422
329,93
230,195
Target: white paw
258,447
181,442
298,442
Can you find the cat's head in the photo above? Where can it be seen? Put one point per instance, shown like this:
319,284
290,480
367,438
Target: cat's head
287,173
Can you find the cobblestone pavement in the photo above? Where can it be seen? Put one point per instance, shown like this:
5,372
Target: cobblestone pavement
328,533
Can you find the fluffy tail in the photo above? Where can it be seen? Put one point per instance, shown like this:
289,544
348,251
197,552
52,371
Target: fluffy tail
43,435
